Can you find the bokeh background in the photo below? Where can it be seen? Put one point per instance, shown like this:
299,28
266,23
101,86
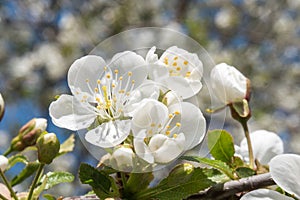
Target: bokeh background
39,39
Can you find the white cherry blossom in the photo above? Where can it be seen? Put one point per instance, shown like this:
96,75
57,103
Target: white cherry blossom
100,96
285,171
265,144
177,69
228,84
162,133
264,194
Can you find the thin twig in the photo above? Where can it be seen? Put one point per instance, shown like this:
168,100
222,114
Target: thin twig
225,190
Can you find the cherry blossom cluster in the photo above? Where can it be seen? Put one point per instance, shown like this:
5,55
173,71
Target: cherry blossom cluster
135,107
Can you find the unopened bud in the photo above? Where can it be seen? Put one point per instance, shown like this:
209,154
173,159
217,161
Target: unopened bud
28,134
2,105
48,147
3,163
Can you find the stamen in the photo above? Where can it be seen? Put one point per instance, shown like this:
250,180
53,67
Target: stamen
129,73
108,76
98,82
178,68
175,135
185,62
177,112
176,57
168,132
178,124
116,71
174,64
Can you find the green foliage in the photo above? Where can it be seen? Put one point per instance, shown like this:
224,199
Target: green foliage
18,158
102,184
67,146
217,164
244,172
28,170
49,197
54,178
183,181
220,144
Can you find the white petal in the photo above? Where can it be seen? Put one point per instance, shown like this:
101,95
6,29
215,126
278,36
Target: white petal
228,83
157,72
193,124
285,170
86,68
67,112
166,149
122,159
183,55
3,163
182,86
265,146
126,61
151,57
141,149
40,123
265,194
149,112
109,134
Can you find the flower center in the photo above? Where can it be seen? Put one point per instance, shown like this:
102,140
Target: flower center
110,95
177,66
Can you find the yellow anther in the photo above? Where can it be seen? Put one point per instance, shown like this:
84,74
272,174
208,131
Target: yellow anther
98,99
176,57
171,71
150,132
178,68
129,73
96,90
166,60
84,97
116,71
168,132
113,85
185,62
121,78
177,112
159,126
121,91
174,64
133,81
87,80
99,107
188,74
127,93
98,81
170,115
175,135
153,124
108,76
168,126
178,124
105,68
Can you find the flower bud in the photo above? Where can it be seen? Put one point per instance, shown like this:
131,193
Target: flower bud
229,85
2,105
3,163
28,134
48,147
122,159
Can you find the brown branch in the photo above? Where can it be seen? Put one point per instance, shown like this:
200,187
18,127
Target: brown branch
225,190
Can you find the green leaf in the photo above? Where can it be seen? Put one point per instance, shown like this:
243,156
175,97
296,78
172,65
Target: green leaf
215,175
18,158
67,146
102,184
217,164
237,162
183,181
244,172
39,189
137,182
54,178
28,170
220,144
49,197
